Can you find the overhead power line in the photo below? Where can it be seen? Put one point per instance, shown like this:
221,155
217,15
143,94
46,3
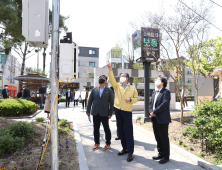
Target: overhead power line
200,16
216,3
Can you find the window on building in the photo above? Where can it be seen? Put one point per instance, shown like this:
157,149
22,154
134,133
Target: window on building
119,65
126,65
78,75
189,80
90,51
113,65
93,52
78,63
93,64
9,68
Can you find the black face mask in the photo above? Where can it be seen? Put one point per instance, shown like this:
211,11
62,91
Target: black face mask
101,81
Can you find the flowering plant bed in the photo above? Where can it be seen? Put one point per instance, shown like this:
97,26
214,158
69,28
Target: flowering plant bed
28,156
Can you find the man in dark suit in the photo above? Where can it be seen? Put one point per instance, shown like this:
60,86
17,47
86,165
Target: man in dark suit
26,93
5,92
102,101
68,97
159,109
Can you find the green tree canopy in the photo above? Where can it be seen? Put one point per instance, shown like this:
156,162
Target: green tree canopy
209,54
10,23
38,71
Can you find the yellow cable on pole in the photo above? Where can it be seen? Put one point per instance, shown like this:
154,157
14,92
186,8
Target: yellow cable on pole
52,118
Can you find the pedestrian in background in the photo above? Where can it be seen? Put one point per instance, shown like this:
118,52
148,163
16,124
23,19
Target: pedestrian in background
19,95
47,107
84,97
26,93
68,97
159,109
5,92
125,96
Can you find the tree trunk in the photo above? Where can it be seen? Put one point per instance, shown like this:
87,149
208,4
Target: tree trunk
216,85
181,114
44,55
24,57
196,97
181,106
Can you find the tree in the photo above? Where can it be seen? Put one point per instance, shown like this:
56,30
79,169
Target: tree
10,23
88,72
11,27
38,71
126,52
137,80
180,31
203,59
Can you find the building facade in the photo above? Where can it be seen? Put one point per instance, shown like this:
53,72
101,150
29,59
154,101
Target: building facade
87,62
117,60
9,68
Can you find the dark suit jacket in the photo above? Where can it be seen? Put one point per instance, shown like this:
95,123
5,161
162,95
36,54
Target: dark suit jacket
19,95
162,104
26,93
4,93
67,95
104,105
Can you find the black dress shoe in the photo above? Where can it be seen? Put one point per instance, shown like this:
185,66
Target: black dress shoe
117,138
163,161
130,157
123,152
157,157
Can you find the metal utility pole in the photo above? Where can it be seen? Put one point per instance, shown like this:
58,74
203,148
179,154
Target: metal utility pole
146,90
38,59
54,80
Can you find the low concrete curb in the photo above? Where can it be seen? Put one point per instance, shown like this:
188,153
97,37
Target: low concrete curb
22,117
83,165
186,154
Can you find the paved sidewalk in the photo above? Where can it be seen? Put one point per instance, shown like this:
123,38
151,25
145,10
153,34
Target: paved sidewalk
145,147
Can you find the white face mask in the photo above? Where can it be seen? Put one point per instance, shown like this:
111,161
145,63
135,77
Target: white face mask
157,83
122,79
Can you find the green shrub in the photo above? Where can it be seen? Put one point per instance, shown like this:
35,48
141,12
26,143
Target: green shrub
180,141
63,123
22,129
9,144
16,107
60,131
207,126
184,145
62,100
40,119
191,148
13,137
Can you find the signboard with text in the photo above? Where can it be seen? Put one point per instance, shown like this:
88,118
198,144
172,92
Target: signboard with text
150,44
146,45
69,85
